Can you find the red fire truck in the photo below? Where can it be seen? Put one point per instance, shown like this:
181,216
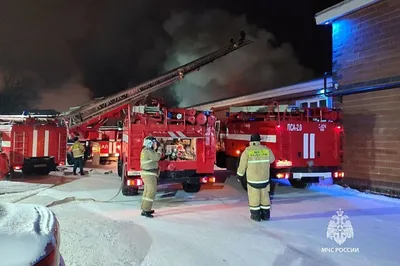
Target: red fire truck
109,140
91,116
189,141
34,144
307,143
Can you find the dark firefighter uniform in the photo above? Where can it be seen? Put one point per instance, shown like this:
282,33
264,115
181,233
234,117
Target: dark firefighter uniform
255,163
149,159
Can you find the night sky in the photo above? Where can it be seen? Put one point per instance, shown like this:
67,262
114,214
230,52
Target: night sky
56,53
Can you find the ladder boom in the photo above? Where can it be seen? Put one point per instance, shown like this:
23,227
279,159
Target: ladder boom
118,101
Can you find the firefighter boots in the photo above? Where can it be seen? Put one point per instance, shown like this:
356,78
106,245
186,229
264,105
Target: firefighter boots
148,214
255,215
265,215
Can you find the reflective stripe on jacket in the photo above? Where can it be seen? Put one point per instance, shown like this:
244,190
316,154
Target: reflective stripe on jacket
255,163
78,149
149,161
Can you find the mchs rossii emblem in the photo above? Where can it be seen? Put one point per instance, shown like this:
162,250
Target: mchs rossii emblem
340,228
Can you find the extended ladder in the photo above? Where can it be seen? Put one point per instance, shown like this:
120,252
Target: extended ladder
94,109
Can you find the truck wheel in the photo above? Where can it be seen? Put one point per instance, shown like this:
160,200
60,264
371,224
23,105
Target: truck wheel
191,188
119,168
221,159
298,184
130,191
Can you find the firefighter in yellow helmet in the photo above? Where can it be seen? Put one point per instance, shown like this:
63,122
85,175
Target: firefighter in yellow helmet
149,158
255,163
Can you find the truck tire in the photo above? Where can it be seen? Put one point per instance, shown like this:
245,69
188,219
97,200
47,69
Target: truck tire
119,168
190,187
298,184
130,191
221,159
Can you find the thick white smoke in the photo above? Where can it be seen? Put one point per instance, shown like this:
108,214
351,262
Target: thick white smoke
257,67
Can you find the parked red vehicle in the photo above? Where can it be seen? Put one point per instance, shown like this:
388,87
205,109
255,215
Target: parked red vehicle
307,143
189,141
33,144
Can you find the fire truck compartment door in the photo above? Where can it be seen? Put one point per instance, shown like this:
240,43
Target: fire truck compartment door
324,175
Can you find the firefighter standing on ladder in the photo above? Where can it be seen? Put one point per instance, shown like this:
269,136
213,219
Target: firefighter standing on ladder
149,158
255,163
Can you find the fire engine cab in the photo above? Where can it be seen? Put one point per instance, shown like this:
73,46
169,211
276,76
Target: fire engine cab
189,146
307,143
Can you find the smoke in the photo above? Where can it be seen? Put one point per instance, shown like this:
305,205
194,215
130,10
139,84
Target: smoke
37,41
259,66
71,93
57,54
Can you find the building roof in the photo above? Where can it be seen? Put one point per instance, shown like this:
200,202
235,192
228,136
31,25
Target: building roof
310,86
339,10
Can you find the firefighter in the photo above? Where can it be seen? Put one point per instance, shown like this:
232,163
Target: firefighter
149,158
78,151
255,163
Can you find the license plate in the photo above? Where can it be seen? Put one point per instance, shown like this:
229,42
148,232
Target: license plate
40,165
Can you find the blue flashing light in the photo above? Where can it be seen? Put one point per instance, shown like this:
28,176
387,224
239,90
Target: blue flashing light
169,115
341,32
321,91
206,113
227,114
252,119
327,23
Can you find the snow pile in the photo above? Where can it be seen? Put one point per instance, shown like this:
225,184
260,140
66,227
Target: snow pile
25,230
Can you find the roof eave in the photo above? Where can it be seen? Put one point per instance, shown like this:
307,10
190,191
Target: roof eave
341,9
268,94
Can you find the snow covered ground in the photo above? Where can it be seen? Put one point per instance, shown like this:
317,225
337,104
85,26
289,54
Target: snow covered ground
213,226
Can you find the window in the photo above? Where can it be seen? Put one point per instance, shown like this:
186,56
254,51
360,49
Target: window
314,102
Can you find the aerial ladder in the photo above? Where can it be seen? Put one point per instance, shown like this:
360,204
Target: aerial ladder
95,113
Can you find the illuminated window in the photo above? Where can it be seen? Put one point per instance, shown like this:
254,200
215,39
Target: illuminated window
314,102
